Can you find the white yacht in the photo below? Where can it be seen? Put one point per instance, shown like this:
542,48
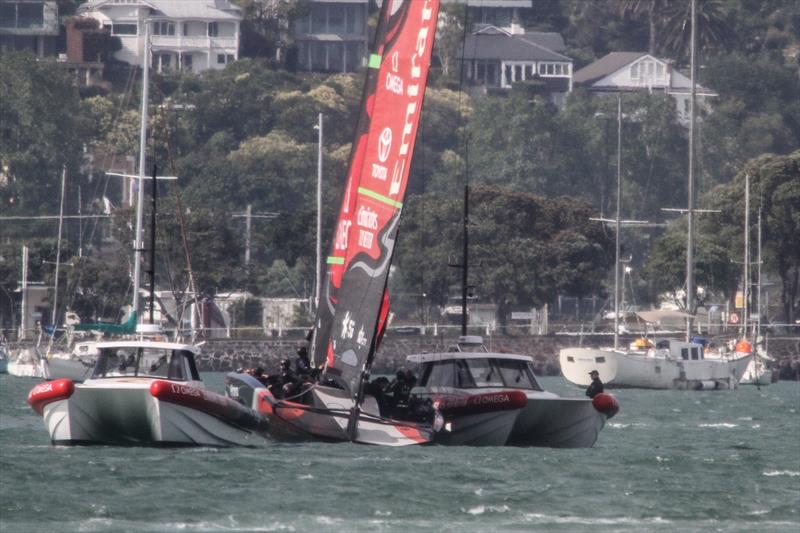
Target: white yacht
666,364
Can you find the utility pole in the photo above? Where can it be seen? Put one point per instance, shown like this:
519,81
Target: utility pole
248,215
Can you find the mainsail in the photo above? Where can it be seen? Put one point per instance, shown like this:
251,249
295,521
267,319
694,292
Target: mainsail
377,180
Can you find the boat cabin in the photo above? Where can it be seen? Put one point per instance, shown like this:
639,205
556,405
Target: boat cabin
687,351
146,360
475,370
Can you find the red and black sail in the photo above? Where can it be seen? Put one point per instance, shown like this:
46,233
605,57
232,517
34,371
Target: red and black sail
358,265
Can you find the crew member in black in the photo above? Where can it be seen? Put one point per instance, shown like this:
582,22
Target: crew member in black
596,386
400,389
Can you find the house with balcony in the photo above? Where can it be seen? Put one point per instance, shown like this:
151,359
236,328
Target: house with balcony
29,25
191,35
621,72
497,58
331,36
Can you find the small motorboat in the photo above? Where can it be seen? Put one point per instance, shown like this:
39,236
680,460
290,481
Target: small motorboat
144,392
514,405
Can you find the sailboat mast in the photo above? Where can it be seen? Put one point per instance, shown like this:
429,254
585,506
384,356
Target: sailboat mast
153,245
58,254
746,281
618,223
758,286
465,263
690,236
318,271
138,244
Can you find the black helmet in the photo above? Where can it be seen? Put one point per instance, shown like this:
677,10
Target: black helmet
285,363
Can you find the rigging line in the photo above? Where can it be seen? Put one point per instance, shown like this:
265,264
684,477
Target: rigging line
122,105
181,220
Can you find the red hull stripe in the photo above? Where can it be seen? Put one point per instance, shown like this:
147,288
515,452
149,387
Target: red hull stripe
49,392
211,403
481,403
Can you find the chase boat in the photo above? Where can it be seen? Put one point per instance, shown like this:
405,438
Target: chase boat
502,402
144,392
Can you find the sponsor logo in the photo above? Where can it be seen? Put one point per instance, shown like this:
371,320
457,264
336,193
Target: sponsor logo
384,144
186,391
379,172
421,46
365,238
341,234
367,218
42,388
348,326
361,340
394,83
395,61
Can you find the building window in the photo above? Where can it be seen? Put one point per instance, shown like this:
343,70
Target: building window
124,29
319,18
163,27
554,69
213,29
186,61
224,59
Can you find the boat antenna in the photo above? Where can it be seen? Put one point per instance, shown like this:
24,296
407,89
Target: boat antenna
464,265
152,271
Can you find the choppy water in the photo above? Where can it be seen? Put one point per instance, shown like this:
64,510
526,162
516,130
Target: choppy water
670,461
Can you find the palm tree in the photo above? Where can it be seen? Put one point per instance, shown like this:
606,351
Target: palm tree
653,10
714,32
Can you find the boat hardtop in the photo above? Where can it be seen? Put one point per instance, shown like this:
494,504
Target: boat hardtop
449,356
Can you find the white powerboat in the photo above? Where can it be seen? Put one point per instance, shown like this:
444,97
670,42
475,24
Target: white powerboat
144,392
667,364
468,373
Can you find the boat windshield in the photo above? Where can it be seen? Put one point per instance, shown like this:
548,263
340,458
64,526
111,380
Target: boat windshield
518,374
145,362
480,372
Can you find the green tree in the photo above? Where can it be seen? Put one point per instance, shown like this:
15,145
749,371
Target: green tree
524,249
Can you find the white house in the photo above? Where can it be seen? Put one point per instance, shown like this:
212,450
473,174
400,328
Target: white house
184,34
638,71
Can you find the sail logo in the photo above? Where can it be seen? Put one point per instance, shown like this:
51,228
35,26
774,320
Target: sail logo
421,46
367,218
348,326
341,234
384,144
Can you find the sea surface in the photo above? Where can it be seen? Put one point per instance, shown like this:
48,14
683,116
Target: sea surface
669,461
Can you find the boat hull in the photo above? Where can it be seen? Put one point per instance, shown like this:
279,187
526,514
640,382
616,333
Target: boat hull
326,418
556,422
638,370
483,418
128,413
542,419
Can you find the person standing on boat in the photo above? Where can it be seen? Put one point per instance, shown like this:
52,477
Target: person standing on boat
596,386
